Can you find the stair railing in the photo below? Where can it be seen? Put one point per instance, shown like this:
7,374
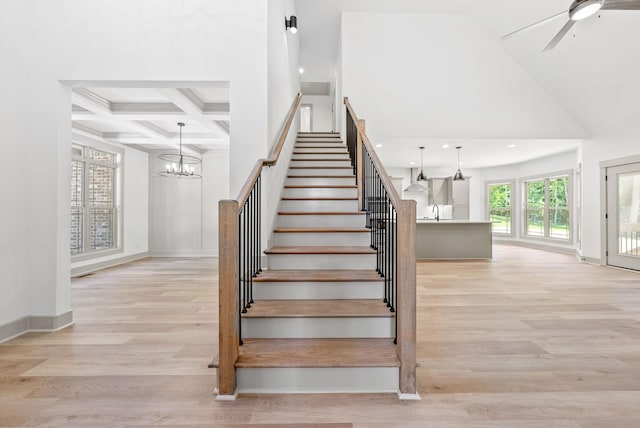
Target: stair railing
392,221
240,250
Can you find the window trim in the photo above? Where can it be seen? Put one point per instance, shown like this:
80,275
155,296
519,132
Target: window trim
514,216
524,199
118,189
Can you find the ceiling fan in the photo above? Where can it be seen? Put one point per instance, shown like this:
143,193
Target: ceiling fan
579,10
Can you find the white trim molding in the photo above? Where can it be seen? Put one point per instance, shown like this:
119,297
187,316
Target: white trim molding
37,323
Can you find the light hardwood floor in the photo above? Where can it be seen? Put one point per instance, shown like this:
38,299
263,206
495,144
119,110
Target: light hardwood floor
529,339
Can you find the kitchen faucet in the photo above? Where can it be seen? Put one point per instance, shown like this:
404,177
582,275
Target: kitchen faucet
436,209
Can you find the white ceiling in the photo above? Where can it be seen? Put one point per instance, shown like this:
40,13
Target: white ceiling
147,117
593,76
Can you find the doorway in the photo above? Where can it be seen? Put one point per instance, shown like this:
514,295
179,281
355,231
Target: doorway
306,118
623,215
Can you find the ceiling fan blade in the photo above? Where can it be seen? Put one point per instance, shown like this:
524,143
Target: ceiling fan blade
563,31
534,25
621,5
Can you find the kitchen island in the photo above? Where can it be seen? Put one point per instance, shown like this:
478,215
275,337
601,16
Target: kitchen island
453,239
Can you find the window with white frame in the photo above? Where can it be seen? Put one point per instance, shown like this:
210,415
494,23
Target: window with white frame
500,201
547,208
94,200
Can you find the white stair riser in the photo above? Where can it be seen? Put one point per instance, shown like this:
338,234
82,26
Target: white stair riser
336,156
322,261
330,163
320,192
318,290
321,181
319,205
297,380
320,171
323,238
321,139
321,220
315,149
318,328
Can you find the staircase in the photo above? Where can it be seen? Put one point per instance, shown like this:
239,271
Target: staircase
318,322
335,309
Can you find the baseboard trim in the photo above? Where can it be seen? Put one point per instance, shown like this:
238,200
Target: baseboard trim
85,269
409,397
227,397
38,323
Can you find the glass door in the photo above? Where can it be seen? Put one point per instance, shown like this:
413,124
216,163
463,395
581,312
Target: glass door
623,219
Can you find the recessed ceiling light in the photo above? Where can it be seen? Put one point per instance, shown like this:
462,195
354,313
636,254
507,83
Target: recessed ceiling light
378,145
412,163
511,146
461,163
445,146
301,70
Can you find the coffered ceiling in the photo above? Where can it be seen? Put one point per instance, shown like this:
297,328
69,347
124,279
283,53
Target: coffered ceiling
147,117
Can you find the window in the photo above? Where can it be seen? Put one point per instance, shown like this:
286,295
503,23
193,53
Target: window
500,213
94,200
547,208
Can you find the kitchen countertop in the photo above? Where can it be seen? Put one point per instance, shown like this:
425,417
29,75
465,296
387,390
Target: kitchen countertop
433,221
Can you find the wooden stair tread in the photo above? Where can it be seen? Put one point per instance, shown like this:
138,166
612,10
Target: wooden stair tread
322,230
322,213
256,353
320,160
322,167
345,308
320,186
321,153
327,249
321,176
328,275
320,199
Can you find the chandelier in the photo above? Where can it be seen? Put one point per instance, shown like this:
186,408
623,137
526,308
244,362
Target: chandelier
178,164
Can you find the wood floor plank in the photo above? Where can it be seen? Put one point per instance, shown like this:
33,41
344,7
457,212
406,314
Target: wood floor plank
529,339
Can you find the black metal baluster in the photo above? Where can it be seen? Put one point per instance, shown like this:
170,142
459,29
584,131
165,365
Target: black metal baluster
260,223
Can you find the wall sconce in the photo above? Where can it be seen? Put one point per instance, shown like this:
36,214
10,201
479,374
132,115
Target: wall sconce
291,24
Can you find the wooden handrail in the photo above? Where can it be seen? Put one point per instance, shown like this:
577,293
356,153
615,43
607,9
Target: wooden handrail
272,160
393,193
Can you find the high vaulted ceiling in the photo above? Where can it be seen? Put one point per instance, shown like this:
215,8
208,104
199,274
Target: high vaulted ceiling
146,117
592,76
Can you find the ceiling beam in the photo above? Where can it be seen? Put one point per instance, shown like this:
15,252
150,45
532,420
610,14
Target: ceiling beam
102,109
193,106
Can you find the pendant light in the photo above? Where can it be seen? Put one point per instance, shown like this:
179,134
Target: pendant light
422,176
458,176
178,164
417,187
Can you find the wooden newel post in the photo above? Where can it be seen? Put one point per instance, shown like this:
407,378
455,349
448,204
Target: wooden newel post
228,298
406,315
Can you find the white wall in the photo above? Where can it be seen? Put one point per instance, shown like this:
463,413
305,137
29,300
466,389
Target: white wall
183,213
322,116
135,208
114,40
284,85
441,76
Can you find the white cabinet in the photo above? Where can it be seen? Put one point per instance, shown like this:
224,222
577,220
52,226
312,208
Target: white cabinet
440,191
460,199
